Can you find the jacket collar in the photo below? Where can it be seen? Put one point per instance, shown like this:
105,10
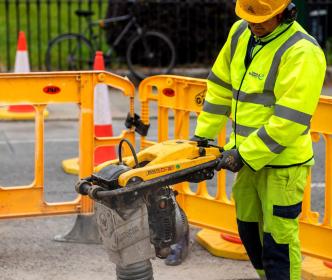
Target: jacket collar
275,33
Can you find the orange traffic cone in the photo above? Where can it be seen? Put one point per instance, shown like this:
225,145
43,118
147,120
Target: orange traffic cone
102,122
22,65
102,115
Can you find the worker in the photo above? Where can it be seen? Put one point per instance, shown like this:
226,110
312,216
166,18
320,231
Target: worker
267,77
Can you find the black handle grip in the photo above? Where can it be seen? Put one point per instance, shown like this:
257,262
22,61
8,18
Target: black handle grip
83,187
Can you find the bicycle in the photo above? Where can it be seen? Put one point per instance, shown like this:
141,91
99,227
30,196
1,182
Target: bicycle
147,52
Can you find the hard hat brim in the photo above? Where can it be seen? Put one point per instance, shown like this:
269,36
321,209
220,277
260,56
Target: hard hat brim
240,12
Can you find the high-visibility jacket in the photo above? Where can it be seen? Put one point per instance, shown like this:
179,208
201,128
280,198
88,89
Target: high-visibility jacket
271,100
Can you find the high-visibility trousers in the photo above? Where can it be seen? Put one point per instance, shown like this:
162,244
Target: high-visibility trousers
268,203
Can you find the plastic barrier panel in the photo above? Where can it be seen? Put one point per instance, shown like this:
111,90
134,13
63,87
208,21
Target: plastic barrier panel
183,95
52,88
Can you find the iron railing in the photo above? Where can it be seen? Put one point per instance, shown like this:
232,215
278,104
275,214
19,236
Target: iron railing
198,28
41,20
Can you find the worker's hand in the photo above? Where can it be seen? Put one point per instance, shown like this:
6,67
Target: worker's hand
230,160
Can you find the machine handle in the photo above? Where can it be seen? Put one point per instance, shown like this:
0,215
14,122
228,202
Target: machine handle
83,187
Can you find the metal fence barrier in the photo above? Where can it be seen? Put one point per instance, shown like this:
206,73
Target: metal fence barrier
198,28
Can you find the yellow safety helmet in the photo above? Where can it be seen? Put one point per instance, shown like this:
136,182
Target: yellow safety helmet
258,11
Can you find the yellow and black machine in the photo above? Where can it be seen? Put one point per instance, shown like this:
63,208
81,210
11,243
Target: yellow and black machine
136,210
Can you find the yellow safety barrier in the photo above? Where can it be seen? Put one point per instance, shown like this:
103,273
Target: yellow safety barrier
182,95
57,88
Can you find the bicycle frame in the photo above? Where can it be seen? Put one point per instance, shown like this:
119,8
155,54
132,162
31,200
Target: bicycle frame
132,22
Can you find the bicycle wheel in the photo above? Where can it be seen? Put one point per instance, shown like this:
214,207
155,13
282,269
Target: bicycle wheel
150,53
69,52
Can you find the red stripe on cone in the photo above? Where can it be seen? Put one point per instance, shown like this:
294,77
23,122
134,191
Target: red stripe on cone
99,63
102,154
103,130
22,42
21,108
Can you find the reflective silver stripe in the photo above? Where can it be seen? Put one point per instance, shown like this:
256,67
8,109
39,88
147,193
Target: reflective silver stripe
310,39
214,78
266,99
269,142
292,115
236,36
243,130
217,109
272,75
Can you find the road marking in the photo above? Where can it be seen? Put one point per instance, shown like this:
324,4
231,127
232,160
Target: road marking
318,185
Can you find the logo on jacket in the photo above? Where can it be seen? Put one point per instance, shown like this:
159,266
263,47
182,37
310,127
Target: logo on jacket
256,75
199,98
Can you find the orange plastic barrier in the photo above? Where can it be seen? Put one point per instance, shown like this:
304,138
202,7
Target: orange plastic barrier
181,96
53,88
